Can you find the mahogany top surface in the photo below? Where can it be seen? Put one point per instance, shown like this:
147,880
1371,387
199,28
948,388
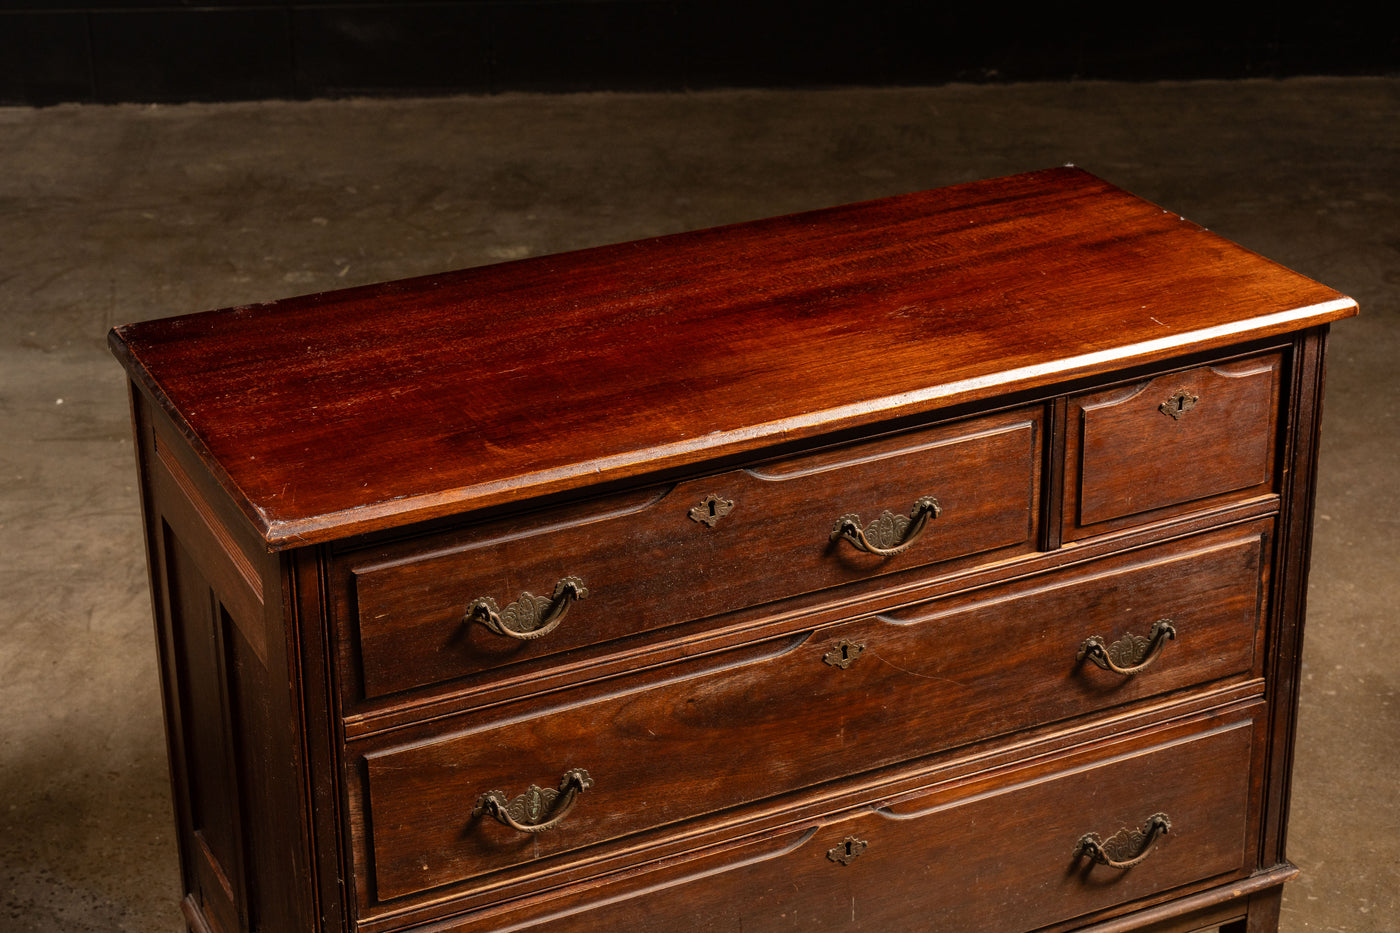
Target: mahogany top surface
377,406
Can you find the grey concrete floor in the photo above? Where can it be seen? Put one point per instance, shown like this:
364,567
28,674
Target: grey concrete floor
114,214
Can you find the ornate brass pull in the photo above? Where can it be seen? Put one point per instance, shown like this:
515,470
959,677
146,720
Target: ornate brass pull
539,808
889,534
529,616
1129,654
1125,848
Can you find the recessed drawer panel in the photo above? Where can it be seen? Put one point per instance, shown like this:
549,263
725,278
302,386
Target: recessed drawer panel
1006,854
787,713
450,606
1140,450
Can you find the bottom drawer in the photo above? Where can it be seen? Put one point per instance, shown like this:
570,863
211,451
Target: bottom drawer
1002,853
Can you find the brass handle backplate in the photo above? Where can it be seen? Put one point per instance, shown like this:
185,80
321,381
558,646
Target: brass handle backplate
1125,848
539,808
1129,654
529,616
889,534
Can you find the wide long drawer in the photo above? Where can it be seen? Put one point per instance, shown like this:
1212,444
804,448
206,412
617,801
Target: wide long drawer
1011,851
791,712
447,606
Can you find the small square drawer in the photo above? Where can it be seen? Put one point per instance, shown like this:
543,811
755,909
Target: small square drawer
429,610
1170,444
765,719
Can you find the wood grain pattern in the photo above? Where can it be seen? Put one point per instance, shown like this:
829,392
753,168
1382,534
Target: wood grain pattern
339,476
373,407
996,855
1291,589
762,723
647,565
1128,458
232,714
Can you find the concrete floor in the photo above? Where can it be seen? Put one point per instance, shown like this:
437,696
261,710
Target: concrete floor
113,214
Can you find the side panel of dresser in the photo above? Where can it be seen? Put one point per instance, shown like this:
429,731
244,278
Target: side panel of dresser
231,692
1289,599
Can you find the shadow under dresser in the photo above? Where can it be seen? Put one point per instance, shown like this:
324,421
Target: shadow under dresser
931,563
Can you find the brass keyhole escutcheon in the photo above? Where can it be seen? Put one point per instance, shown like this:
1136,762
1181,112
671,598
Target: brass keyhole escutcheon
848,851
711,509
1179,404
844,654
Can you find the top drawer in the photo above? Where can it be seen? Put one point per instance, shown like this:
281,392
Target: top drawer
1140,452
429,610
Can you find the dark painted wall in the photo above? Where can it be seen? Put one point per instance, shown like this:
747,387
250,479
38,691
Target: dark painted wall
167,50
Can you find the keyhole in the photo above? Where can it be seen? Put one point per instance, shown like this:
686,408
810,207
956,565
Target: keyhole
848,851
1178,405
709,510
844,654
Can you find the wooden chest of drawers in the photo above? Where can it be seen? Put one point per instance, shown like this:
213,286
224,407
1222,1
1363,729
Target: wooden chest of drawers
930,563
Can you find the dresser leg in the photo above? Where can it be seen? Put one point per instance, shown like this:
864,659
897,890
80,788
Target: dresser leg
1264,911
1263,914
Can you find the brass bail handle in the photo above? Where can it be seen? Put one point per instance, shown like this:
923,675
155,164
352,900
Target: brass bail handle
529,617
889,534
1130,654
1125,848
537,810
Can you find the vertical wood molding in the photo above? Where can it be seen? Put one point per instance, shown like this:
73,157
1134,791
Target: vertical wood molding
1290,584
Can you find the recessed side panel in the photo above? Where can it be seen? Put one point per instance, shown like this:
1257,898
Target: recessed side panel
231,704
210,836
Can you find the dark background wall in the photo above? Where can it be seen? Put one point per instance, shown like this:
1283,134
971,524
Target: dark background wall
169,50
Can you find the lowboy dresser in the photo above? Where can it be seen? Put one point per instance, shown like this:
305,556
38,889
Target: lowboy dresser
934,563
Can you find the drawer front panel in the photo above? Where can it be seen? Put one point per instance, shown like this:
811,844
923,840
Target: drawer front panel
754,536
786,714
1172,441
998,856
